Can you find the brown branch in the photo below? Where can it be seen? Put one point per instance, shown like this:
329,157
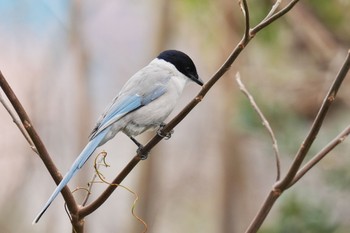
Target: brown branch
264,122
263,211
287,181
320,155
245,10
273,9
39,145
273,17
311,136
18,124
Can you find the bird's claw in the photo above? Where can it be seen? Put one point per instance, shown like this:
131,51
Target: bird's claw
142,153
161,133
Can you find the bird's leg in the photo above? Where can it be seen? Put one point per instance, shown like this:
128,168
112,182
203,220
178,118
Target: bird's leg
136,142
161,134
140,151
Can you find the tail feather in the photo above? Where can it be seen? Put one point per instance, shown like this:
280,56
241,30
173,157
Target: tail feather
78,163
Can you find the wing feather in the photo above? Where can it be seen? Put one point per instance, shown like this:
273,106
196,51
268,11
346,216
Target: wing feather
133,97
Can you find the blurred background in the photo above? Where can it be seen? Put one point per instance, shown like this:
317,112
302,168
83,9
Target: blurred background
66,60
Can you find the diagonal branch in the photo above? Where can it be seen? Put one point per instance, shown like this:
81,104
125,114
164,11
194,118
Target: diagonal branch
320,155
18,124
272,18
273,10
39,145
291,175
311,136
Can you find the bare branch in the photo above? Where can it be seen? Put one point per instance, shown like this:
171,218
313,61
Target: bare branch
19,125
286,182
245,10
311,136
39,145
274,17
264,122
273,10
320,155
263,211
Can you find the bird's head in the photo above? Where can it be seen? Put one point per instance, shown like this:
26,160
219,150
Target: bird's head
183,63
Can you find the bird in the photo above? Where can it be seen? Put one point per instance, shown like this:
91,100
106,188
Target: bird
143,103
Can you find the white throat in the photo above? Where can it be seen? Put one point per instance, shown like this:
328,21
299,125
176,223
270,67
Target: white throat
178,78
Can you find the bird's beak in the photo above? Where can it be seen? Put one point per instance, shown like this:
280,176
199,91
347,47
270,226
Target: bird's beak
197,80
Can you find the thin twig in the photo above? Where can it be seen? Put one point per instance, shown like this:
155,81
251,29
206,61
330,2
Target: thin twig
245,10
103,180
39,145
97,165
320,155
273,17
109,190
264,122
18,124
273,10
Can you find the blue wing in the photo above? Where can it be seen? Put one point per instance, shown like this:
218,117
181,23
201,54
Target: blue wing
121,106
125,104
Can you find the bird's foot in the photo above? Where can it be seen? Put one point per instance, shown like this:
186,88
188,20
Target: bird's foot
161,133
140,151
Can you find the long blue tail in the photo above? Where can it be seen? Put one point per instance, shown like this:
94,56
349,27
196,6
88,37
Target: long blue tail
78,163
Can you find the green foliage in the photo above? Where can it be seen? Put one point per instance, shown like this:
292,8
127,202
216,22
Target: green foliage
334,15
331,12
196,6
298,215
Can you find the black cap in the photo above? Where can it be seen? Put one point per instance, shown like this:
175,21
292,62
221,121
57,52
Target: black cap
183,63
